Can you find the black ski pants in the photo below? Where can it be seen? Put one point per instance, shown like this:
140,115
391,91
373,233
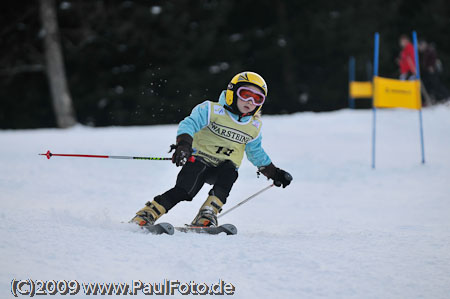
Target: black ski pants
193,176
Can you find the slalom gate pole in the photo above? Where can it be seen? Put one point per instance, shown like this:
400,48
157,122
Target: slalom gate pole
351,78
374,109
245,200
49,155
416,56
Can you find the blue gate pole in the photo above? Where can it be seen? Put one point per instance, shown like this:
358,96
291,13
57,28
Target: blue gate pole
416,56
375,73
421,136
351,78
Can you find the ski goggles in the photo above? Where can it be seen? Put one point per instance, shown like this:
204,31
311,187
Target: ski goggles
246,94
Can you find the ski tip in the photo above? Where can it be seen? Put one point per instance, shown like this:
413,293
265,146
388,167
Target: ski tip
167,227
229,229
159,228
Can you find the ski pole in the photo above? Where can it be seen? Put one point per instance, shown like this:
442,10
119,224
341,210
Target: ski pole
49,155
245,200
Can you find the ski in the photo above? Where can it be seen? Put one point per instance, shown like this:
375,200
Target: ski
160,228
229,229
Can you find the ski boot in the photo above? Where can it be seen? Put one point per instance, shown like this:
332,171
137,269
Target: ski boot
207,216
149,214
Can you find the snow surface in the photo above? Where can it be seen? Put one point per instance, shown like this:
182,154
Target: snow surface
341,230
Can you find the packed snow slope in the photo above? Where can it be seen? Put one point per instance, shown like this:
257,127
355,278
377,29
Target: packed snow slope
340,230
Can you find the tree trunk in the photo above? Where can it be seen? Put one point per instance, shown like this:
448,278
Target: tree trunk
62,102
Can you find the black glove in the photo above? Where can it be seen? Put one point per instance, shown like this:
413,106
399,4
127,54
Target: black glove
183,149
282,177
279,176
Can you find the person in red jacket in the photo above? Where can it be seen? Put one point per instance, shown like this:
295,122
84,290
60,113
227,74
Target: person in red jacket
406,60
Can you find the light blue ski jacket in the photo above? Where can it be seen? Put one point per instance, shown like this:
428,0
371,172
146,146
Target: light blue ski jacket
198,119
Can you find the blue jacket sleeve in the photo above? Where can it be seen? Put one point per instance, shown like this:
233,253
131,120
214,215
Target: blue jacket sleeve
197,120
256,154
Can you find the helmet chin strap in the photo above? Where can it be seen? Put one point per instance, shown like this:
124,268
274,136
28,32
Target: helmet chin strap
238,113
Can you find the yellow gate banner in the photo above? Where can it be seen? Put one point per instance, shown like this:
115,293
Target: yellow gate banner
360,89
392,93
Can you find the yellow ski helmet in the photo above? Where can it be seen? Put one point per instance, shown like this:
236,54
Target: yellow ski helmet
244,78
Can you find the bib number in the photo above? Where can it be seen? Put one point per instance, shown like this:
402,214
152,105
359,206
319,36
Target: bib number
224,150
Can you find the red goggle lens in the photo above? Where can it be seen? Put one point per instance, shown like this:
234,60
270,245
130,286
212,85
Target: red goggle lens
248,94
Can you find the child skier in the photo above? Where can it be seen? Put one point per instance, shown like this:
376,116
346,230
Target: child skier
210,146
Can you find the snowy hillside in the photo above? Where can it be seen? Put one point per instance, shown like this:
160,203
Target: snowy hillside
341,230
